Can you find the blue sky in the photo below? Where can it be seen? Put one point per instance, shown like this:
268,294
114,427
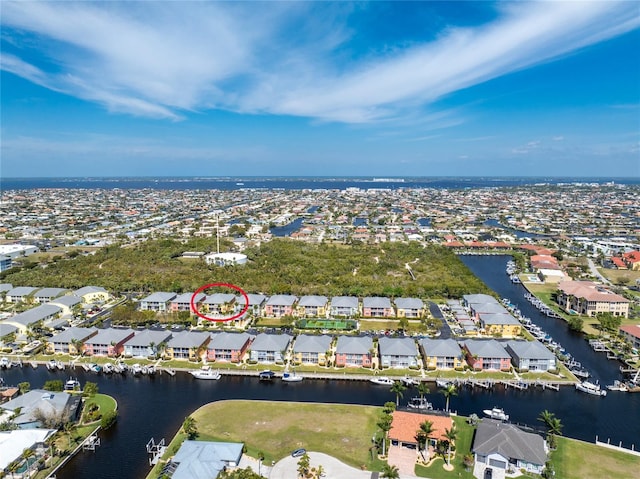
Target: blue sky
327,88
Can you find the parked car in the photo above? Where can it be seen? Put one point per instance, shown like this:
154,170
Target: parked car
298,452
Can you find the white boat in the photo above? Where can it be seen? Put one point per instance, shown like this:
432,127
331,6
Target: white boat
206,373
442,383
591,388
266,375
292,377
382,380
581,373
136,369
496,413
95,368
52,365
5,363
108,368
60,365
409,381
72,385
420,403
618,386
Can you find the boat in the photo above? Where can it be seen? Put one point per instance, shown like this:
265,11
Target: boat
136,369
496,413
266,375
442,383
72,384
292,377
409,381
206,373
108,368
5,363
52,365
618,386
382,380
60,365
591,388
95,368
420,403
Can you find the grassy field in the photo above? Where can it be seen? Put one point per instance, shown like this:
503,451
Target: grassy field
576,460
342,431
618,276
105,403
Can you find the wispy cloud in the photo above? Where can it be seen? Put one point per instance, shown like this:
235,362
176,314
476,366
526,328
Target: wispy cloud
164,59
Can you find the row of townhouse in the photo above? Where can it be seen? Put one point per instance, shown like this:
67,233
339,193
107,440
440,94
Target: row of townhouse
285,305
350,351
489,316
22,294
49,313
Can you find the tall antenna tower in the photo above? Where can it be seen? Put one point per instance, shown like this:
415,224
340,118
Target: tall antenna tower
218,231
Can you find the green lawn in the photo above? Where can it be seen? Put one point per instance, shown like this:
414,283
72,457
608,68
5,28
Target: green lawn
104,402
575,459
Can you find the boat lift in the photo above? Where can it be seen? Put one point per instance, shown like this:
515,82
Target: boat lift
156,451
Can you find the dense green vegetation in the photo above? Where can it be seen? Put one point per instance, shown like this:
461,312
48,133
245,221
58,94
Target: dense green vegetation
278,267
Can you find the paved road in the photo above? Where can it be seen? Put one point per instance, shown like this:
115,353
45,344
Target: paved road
596,273
445,331
287,468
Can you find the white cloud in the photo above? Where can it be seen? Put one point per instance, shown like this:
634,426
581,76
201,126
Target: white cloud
558,138
162,59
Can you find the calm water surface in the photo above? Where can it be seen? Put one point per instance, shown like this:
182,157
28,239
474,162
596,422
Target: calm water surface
155,407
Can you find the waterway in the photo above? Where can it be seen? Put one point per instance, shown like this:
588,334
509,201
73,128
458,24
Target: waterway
155,407
287,229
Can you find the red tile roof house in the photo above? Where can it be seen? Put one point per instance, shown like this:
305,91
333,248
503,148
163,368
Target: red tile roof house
405,425
631,333
280,305
183,302
632,259
108,342
377,307
586,297
483,355
228,347
618,262
354,351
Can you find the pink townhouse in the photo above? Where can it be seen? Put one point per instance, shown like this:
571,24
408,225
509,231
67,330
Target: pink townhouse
183,302
228,347
377,307
108,342
486,355
354,351
280,305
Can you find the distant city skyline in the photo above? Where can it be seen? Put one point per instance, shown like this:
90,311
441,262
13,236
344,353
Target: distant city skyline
398,89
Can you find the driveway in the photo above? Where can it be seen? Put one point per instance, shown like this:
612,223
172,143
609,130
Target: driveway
287,468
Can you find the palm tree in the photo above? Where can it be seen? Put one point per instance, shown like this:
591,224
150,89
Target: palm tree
450,434
550,420
398,388
423,389
449,391
189,427
390,472
385,426
423,434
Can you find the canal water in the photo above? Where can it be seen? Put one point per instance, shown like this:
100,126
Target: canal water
156,406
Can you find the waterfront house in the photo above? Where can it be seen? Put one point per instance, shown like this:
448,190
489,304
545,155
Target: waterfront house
220,304
344,306
182,302
377,307
15,442
205,459
411,308
270,348
228,347
632,260
500,324
312,306
631,332
470,299
70,341
279,305
189,345
146,343
20,294
397,352
486,355
442,354
354,351
531,356
93,294
46,295
158,302
588,298
311,349
405,425
6,329
33,316
31,406
505,448
256,302
108,342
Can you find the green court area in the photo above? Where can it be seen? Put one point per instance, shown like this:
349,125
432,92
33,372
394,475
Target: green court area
327,324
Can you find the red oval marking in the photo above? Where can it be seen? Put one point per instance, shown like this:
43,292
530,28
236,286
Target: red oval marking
226,285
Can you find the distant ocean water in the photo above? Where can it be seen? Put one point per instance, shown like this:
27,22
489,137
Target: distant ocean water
291,183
